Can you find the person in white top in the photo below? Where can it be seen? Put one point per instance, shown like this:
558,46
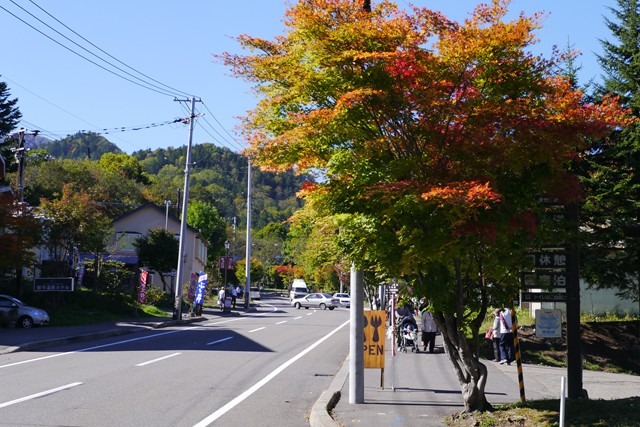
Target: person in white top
496,335
429,329
507,350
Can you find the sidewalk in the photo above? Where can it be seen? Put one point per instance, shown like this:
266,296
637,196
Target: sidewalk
426,391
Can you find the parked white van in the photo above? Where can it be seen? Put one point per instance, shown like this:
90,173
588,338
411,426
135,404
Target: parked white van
298,289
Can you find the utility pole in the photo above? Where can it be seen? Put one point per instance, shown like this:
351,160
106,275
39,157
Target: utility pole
20,154
247,287
177,304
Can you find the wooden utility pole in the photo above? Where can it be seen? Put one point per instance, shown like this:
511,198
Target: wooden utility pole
177,304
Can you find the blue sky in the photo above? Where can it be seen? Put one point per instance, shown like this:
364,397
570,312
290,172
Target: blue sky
172,42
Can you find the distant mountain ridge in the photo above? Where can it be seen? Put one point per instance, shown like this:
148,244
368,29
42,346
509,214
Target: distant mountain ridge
82,145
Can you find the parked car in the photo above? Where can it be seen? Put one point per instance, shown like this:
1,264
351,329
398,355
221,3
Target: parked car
254,293
345,299
316,300
15,312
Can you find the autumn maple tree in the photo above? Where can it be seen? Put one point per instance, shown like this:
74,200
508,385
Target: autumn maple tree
434,141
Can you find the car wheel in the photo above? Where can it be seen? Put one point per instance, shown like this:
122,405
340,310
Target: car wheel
331,308
25,322
306,308
297,305
323,306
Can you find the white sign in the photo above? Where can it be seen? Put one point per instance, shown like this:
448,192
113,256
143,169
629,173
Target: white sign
549,323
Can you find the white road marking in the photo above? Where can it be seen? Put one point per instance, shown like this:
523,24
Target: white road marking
258,329
280,323
226,408
309,314
219,341
158,359
190,328
37,395
296,318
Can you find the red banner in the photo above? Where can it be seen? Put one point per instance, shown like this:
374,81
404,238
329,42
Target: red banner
142,289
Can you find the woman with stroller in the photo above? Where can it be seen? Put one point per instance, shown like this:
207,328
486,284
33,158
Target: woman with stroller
407,327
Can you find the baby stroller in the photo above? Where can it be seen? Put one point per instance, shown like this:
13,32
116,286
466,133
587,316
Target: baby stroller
408,334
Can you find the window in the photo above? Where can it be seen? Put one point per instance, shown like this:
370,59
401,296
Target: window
125,240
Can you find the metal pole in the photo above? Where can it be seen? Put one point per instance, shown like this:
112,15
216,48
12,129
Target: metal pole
356,350
248,251
167,203
177,304
574,353
225,264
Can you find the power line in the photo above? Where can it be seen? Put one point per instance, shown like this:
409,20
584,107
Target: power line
109,55
240,145
162,92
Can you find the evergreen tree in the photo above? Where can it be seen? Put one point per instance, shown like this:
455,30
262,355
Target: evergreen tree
9,118
610,253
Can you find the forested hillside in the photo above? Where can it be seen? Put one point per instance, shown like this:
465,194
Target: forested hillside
82,145
218,176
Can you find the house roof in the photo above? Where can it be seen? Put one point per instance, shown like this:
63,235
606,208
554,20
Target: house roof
151,205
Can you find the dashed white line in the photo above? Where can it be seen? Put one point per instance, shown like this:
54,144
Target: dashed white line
37,395
258,329
158,359
280,323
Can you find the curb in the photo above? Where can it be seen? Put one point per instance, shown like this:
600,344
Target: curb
320,412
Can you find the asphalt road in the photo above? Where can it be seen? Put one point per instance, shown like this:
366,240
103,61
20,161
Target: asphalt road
265,368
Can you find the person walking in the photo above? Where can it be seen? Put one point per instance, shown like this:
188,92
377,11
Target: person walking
234,296
221,297
495,340
507,350
429,329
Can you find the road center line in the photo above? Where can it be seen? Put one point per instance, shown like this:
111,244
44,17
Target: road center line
37,395
219,341
255,330
280,323
226,408
296,318
158,359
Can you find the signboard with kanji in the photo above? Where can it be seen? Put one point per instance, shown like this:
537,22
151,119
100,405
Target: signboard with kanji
544,279
374,338
549,259
543,297
53,284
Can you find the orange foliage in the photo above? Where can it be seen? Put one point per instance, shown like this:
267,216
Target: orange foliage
445,110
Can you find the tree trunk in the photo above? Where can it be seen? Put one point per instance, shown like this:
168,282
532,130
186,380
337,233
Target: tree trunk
471,373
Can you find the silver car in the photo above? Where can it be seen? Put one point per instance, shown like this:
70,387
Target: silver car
316,300
345,299
13,311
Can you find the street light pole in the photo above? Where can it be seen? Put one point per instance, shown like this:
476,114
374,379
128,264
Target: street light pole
167,203
226,264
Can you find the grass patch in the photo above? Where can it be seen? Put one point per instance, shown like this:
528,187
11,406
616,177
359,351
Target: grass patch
579,412
86,306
